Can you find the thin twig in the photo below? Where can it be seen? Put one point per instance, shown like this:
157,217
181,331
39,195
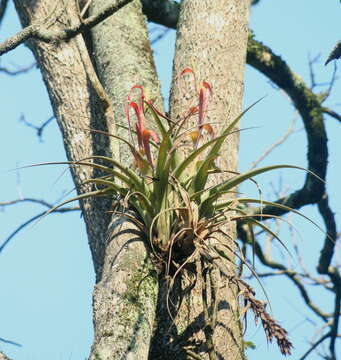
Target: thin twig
290,131
21,70
32,219
311,63
10,342
317,343
160,36
39,129
3,8
32,200
332,113
43,33
331,83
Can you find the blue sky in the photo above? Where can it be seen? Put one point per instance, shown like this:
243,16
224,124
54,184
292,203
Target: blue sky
46,274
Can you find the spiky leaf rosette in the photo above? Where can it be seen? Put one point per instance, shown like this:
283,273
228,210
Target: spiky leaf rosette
176,209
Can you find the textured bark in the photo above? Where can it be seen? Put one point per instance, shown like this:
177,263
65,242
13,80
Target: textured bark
3,356
123,318
124,300
212,40
123,58
75,106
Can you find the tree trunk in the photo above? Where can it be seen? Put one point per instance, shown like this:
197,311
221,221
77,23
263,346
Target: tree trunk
212,40
125,298
125,293
75,106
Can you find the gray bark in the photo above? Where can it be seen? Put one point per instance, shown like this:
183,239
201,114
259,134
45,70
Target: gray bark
123,317
77,106
3,356
212,40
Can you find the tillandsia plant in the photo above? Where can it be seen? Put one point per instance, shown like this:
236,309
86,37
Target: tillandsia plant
178,210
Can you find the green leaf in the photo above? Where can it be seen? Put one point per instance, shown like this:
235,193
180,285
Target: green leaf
283,207
79,197
249,345
200,179
249,219
216,191
194,154
136,179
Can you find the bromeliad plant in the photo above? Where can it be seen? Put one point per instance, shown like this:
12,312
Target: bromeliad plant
178,210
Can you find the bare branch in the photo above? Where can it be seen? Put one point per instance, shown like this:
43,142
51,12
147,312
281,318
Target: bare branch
328,249
159,36
18,201
335,54
311,63
325,94
331,113
32,219
43,33
317,343
18,71
331,83
324,267
165,13
39,129
290,131
10,342
292,275
336,318
309,107
3,8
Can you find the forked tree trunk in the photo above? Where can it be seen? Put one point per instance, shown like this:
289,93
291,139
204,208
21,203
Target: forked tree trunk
125,292
212,40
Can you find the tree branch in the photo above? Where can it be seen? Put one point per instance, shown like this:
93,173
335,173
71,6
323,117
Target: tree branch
328,249
332,113
165,13
313,346
43,33
309,107
335,54
10,342
242,234
32,219
18,71
38,129
3,8
324,267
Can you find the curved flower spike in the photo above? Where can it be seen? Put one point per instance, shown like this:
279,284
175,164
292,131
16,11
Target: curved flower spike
143,134
204,92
